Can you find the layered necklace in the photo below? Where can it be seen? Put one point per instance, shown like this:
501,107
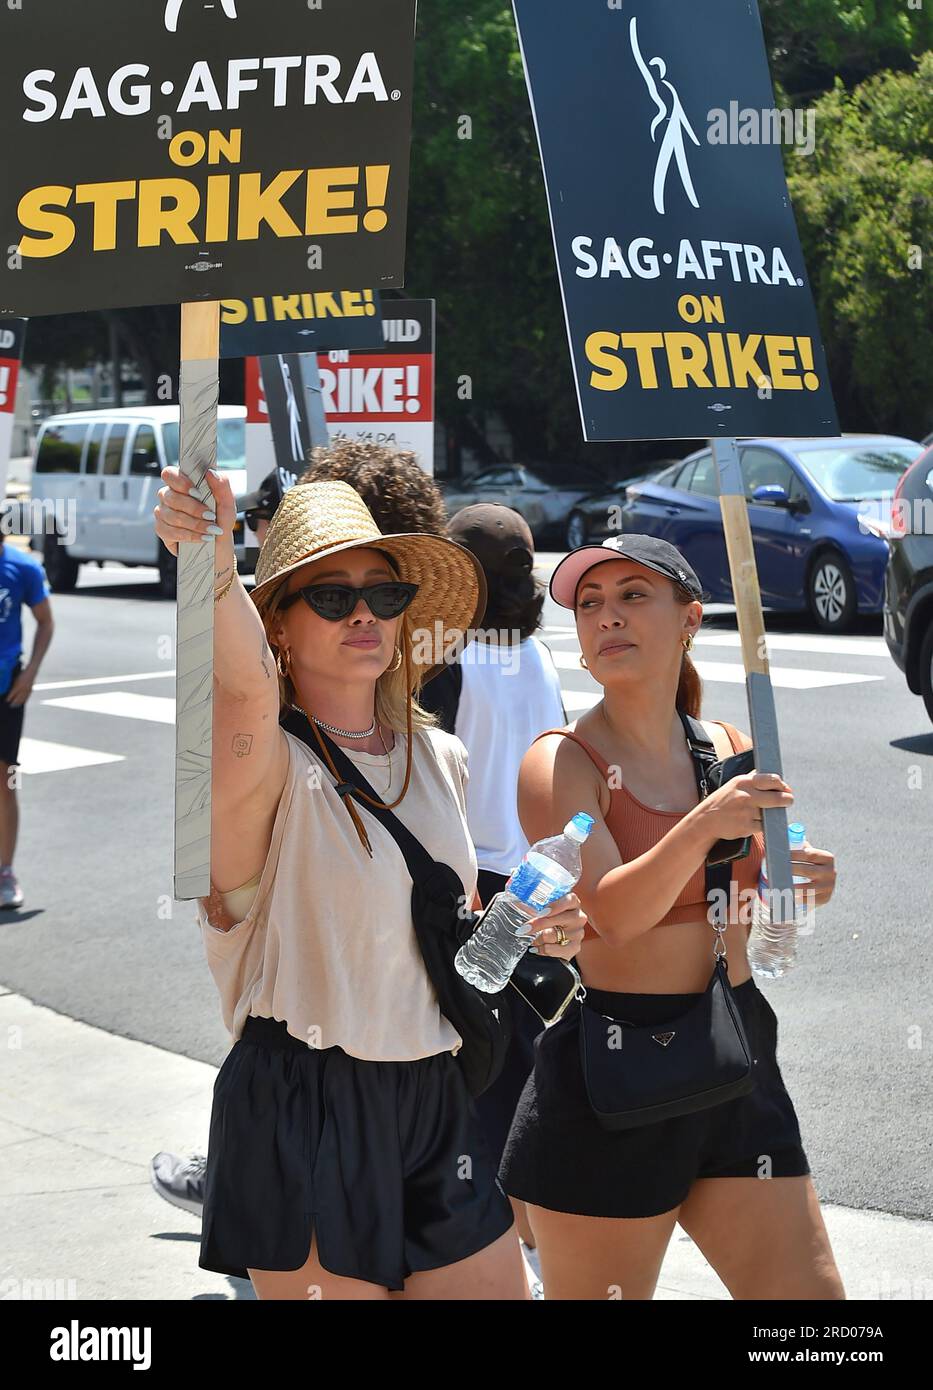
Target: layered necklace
353,733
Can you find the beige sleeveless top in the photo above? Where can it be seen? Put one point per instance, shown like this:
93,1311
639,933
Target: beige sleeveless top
328,944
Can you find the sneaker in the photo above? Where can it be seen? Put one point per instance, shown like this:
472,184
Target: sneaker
532,1270
11,895
179,1180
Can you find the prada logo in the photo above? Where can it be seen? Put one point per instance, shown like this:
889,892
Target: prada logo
662,1038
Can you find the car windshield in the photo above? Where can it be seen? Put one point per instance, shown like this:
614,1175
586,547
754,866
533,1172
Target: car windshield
231,443
856,473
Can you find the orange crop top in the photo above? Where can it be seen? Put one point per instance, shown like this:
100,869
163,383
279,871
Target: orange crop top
636,827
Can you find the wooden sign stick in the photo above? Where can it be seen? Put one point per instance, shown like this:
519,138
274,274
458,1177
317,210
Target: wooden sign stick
198,391
762,713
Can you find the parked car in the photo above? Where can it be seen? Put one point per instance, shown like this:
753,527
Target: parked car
107,463
908,595
597,516
542,495
811,505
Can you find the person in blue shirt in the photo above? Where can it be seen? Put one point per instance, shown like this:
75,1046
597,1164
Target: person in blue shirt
22,580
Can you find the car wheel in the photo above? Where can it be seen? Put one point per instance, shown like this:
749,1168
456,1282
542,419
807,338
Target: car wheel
577,530
60,569
168,573
831,592
926,671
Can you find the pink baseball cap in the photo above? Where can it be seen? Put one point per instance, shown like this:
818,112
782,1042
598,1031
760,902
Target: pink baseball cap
649,551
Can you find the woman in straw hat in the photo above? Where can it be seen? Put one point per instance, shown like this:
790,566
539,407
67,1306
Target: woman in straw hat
345,1159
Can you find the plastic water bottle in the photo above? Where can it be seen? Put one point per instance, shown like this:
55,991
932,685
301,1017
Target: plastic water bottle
772,947
548,871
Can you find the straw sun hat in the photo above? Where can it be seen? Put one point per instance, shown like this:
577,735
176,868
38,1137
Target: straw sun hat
318,519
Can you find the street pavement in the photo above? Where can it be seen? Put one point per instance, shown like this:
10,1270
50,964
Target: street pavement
112,1021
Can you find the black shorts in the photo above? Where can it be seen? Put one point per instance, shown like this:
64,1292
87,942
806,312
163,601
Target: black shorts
384,1161
496,1106
559,1156
11,722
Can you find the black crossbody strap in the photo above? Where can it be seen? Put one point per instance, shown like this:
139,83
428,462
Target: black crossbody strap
703,751
418,860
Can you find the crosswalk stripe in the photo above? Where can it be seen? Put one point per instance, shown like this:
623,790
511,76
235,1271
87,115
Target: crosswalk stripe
123,703
733,673
41,755
105,680
580,699
777,641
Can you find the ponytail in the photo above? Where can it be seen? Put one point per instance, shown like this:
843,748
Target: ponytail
689,688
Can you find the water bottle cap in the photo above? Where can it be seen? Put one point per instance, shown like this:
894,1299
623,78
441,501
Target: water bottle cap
579,828
796,833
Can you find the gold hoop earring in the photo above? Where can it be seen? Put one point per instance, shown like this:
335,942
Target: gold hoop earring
583,662
688,642
285,670
398,660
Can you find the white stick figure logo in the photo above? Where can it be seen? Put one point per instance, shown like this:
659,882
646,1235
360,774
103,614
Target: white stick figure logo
672,143
291,407
173,9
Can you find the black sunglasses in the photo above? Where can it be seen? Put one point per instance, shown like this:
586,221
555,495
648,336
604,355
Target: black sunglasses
336,601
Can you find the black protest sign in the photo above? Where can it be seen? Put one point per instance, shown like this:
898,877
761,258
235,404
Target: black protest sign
286,391
686,297
330,319
13,337
173,150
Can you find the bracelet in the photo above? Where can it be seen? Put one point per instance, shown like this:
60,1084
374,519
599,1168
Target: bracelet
219,596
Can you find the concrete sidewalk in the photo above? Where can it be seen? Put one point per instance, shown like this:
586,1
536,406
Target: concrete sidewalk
82,1111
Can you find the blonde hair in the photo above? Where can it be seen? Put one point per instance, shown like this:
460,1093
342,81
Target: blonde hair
392,696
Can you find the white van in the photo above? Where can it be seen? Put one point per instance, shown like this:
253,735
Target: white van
102,467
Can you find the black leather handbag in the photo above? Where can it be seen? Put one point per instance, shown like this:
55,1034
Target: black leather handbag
442,924
636,1074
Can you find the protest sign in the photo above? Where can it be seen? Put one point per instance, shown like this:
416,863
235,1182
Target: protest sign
685,294
263,325
387,397
173,151
12,336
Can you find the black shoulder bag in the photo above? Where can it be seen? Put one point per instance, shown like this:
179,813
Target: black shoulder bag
638,1075
442,924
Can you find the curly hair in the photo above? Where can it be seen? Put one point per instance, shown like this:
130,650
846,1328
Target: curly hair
392,483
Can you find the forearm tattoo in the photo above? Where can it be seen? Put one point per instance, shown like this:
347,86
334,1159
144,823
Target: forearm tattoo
242,745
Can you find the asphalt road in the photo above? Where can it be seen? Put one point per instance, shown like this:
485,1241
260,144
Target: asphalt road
100,938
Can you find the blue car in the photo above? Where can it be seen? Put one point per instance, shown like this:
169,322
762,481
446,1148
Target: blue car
819,511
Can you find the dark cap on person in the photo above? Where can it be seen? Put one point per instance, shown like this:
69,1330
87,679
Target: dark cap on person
650,551
499,537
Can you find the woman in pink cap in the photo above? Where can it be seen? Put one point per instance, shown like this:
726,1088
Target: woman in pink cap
605,1184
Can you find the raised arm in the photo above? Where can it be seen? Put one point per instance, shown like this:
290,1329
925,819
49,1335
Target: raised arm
250,751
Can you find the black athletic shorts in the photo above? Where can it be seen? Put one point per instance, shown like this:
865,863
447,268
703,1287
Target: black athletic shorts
11,722
558,1155
496,1106
384,1161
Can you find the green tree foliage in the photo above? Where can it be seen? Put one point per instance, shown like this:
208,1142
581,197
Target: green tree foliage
864,205
811,42
479,239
